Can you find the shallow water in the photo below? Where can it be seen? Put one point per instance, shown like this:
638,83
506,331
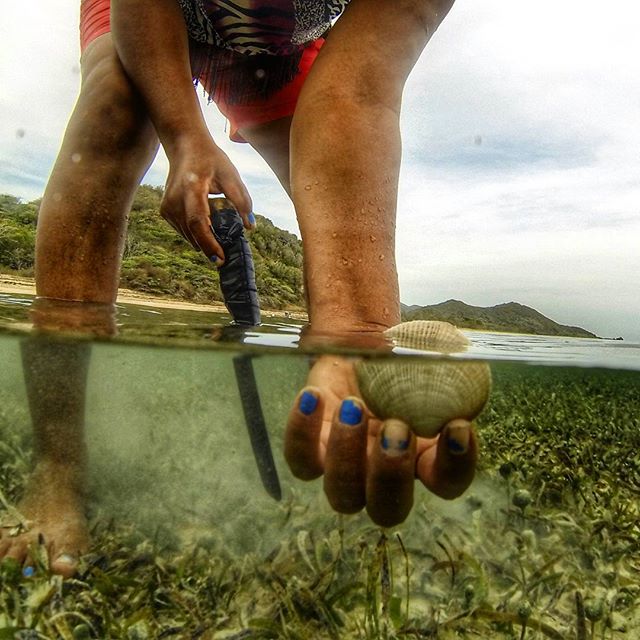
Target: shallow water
200,329
174,480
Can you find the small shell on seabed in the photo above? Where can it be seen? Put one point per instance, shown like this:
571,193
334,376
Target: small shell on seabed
426,394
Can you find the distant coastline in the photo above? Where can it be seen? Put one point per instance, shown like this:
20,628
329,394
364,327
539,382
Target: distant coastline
510,317
506,318
27,286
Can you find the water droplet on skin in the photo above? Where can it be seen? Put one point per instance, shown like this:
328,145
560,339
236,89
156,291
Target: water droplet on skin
76,157
307,187
334,235
191,177
317,182
372,238
381,256
345,261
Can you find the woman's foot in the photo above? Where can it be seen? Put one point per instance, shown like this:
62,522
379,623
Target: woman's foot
48,523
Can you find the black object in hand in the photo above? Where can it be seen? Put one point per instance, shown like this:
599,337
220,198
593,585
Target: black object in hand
237,274
238,284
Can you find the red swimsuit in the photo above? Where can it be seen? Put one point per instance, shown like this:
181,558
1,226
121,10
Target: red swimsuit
228,43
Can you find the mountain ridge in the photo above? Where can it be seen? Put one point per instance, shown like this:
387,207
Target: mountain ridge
512,317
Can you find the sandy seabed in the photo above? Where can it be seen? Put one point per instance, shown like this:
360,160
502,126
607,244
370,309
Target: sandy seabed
22,285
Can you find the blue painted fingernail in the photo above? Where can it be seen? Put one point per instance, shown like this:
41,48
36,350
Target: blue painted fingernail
308,403
28,572
455,446
214,259
350,412
395,437
252,219
458,439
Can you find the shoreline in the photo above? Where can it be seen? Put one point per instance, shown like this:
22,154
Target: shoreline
26,286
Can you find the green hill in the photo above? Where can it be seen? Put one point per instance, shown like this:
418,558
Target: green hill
159,262
511,317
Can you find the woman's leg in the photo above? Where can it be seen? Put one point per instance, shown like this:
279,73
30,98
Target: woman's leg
108,145
271,141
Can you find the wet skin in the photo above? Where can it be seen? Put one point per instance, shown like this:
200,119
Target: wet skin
339,160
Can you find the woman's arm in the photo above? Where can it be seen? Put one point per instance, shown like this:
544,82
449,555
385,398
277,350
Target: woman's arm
151,40
345,161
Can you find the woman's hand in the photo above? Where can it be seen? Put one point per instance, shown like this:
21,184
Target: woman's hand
367,462
152,43
199,168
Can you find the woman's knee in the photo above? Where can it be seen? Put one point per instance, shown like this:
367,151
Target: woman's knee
110,110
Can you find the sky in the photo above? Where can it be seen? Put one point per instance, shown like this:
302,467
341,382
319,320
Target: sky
520,178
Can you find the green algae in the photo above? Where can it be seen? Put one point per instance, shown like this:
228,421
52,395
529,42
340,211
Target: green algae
545,544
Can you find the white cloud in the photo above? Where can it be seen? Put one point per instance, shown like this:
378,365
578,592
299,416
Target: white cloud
521,162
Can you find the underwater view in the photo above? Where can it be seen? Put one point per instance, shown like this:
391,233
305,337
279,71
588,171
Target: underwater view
196,535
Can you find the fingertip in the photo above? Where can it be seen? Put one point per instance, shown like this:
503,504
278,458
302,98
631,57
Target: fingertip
28,571
308,400
351,411
395,438
241,200
448,468
457,435
302,438
214,252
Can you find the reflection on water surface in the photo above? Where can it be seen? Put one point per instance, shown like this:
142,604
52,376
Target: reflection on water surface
202,329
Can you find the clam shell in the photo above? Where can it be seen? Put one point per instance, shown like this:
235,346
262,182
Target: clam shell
425,393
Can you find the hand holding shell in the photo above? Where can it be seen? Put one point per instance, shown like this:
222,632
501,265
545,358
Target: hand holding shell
425,393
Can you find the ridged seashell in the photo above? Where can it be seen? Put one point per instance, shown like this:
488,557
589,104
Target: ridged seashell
425,393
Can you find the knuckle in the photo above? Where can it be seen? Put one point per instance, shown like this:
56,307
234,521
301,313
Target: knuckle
194,223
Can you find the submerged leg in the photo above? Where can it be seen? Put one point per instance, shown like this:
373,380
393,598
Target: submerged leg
52,510
108,145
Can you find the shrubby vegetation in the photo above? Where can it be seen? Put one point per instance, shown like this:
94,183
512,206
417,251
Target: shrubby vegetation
17,234
158,261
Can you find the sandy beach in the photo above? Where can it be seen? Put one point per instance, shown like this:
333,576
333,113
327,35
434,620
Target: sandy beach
21,285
